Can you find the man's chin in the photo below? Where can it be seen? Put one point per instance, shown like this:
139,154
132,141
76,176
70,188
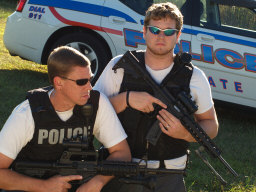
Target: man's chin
83,102
160,52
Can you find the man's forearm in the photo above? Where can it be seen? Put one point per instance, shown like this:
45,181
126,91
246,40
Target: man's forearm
115,156
209,123
11,180
209,126
119,152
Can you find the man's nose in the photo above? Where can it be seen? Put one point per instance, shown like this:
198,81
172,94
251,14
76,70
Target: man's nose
161,34
88,85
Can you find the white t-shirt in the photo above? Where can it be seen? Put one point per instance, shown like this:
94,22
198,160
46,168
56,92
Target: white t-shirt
110,81
19,127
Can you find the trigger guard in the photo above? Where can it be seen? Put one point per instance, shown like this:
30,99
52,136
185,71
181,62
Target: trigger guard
154,113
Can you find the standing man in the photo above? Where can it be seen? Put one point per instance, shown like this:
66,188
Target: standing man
36,128
134,101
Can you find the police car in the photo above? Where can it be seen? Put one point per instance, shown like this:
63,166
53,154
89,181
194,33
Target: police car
219,34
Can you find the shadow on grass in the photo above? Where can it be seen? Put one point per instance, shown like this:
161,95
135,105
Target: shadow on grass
235,112
13,87
8,4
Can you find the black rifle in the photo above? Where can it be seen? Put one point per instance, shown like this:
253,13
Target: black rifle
181,107
77,160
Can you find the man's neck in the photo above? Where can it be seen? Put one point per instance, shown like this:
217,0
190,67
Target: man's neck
59,103
158,62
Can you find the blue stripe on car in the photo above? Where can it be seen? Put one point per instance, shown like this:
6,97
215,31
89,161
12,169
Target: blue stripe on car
83,7
221,37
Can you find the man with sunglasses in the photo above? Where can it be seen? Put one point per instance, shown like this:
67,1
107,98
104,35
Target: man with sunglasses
36,128
135,103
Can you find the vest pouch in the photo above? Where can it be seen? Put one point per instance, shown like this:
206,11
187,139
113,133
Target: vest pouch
130,117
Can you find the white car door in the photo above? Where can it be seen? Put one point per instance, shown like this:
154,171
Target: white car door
224,47
123,22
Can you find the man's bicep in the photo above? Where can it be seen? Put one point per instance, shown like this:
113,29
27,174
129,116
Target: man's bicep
209,122
208,115
104,80
201,91
119,147
120,151
108,129
109,81
5,161
17,131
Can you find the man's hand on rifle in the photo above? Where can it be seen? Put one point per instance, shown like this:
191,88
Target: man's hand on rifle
143,101
172,126
59,183
93,185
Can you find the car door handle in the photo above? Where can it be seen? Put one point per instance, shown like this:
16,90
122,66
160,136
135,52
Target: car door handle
117,20
204,37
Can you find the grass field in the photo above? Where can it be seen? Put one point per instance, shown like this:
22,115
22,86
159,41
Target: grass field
16,75
236,138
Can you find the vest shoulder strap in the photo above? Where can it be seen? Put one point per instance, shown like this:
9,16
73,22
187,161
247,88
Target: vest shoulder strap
39,100
94,102
179,77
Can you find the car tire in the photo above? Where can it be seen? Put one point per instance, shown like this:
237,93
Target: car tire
88,45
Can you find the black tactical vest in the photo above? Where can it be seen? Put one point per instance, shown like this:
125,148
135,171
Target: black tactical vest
50,130
137,124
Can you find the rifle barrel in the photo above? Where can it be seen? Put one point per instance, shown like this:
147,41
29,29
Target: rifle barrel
228,166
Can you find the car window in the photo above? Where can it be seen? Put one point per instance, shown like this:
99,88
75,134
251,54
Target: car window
238,17
209,14
140,6
228,18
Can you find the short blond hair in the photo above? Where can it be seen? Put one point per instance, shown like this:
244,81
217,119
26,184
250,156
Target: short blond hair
63,59
159,11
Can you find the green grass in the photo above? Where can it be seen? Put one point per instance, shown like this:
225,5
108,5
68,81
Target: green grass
17,76
236,138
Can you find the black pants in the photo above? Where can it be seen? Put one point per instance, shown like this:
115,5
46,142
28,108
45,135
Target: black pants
73,189
164,183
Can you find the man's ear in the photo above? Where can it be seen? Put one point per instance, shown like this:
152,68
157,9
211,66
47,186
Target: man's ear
144,31
57,82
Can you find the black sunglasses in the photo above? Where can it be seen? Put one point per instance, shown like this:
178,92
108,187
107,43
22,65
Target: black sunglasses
79,82
156,30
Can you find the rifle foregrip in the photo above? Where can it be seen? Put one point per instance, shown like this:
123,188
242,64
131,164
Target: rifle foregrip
121,169
117,168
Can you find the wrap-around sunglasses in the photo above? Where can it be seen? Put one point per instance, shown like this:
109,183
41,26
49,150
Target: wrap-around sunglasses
79,82
156,30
